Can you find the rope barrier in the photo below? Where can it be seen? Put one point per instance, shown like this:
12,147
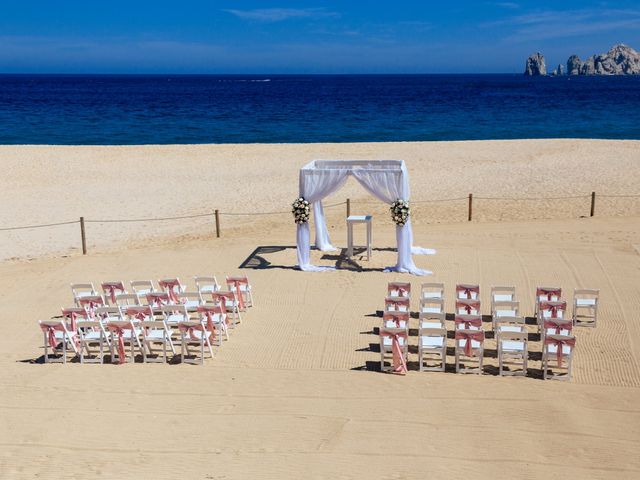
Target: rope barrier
150,219
38,226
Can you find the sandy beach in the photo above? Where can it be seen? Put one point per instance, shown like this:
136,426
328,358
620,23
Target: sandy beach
295,392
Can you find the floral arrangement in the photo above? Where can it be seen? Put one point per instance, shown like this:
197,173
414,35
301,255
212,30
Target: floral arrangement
301,210
400,211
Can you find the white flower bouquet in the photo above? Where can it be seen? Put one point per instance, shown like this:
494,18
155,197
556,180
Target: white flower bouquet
400,211
301,210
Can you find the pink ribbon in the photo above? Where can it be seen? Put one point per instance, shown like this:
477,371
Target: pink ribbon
553,307
235,282
475,321
119,331
169,286
156,299
559,343
209,312
549,292
469,335
403,291
110,289
189,330
396,302
73,317
468,289
396,318
468,305
50,330
559,326
222,299
399,363
90,305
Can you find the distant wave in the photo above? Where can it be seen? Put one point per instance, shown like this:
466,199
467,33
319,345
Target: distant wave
236,80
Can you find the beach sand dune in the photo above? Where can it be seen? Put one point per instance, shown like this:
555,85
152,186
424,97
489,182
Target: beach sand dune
295,392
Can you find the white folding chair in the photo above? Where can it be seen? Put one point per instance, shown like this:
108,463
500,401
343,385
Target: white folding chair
124,300
90,303
80,290
432,343
191,300
393,319
585,307
123,333
502,294
194,333
242,288
231,304
432,291
557,352
468,322
172,287
399,289
468,291
512,352
394,347
90,333
215,320
509,324
173,314
111,290
56,332
206,284
156,332
469,347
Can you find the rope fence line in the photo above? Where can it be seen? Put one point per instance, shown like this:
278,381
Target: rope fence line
216,213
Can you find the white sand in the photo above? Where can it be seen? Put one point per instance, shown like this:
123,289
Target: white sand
292,394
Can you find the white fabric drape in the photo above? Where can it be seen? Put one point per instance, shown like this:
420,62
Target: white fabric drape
386,180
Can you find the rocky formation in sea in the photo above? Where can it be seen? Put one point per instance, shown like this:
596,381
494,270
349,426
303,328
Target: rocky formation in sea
559,71
620,60
535,65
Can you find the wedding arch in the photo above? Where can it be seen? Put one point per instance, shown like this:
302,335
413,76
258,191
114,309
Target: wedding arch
387,180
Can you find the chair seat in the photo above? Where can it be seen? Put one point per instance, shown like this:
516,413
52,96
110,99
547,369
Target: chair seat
392,324
512,346
547,314
218,318
585,302
91,336
552,331
463,327
208,288
157,335
396,293
553,349
506,313
463,311
143,291
429,324
431,342
463,296
191,304
174,318
544,298
386,341
399,308
60,335
84,294
195,336
503,297
431,295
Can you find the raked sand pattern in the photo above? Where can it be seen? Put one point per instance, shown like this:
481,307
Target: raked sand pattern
293,393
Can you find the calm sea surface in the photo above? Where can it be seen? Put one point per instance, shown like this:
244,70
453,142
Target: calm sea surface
133,109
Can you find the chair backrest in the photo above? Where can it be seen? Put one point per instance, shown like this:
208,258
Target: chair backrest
114,325
477,335
171,282
396,317
157,325
395,303
399,289
238,279
49,327
126,299
558,324
91,302
111,290
470,291
174,310
428,316
548,293
463,322
71,314
390,331
84,325
511,320
191,296
216,297
140,313
142,286
433,332
206,284
503,293
435,304
157,299
81,289
555,309
466,306
514,336
586,293
432,287
506,306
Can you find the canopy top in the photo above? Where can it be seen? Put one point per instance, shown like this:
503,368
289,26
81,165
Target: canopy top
372,165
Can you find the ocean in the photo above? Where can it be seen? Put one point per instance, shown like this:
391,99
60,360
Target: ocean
168,109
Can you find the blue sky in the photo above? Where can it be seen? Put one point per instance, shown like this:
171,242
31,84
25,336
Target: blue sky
271,36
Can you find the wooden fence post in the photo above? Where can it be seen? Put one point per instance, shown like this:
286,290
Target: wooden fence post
593,202
84,236
348,207
470,205
217,223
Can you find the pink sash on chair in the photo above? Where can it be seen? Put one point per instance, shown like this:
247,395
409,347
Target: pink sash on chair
553,307
559,325
110,289
397,302
475,321
468,289
90,305
403,290
396,317
559,343
189,330
469,335
170,286
119,332
235,283
549,292
399,363
73,318
468,305
209,313
51,330
157,299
